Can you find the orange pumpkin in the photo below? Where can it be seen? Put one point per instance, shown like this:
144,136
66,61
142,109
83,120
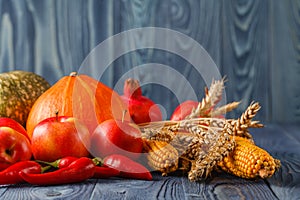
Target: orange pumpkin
79,96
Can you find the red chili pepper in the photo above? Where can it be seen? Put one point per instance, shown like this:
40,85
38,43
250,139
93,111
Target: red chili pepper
3,166
79,170
127,167
66,161
105,172
60,163
11,174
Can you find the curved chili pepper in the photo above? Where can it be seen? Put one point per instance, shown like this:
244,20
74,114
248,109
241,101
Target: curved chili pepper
60,163
105,172
100,172
3,166
127,167
79,170
66,161
11,174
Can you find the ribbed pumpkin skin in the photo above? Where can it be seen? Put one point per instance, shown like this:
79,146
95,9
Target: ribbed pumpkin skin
79,96
18,92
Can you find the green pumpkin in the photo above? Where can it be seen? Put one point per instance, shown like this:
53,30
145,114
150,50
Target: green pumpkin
18,92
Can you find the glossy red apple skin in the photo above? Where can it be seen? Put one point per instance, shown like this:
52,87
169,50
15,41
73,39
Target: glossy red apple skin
8,122
183,110
116,137
14,146
58,137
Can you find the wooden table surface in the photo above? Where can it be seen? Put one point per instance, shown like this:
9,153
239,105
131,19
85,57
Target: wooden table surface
283,142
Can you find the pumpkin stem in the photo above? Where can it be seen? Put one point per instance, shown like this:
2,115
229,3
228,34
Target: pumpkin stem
73,74
123,116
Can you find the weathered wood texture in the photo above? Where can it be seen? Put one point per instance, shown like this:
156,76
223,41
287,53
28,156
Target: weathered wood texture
283,142
254,43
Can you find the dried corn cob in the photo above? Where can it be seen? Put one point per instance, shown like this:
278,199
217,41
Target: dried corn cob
249,161
161,156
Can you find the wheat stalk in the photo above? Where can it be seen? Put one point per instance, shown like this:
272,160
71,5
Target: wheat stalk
224,109
241,125
212,97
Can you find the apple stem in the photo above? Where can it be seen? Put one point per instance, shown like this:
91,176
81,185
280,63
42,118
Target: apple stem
123,116
56,115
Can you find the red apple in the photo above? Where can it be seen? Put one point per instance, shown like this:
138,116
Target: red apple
58,137
8,122
116,137
183,110
14,146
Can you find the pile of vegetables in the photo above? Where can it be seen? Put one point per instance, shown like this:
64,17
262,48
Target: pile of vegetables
116,133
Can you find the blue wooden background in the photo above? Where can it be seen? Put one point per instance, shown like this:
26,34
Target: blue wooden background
255,43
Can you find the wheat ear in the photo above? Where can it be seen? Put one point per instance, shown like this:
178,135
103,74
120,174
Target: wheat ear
212,97
242,124
224,109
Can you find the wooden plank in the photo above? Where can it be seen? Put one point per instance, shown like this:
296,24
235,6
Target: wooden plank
159,188
224,186
2,190
74,191
275,139
292,131
284,58
255,43
282,143
244,47
285,183
287,180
